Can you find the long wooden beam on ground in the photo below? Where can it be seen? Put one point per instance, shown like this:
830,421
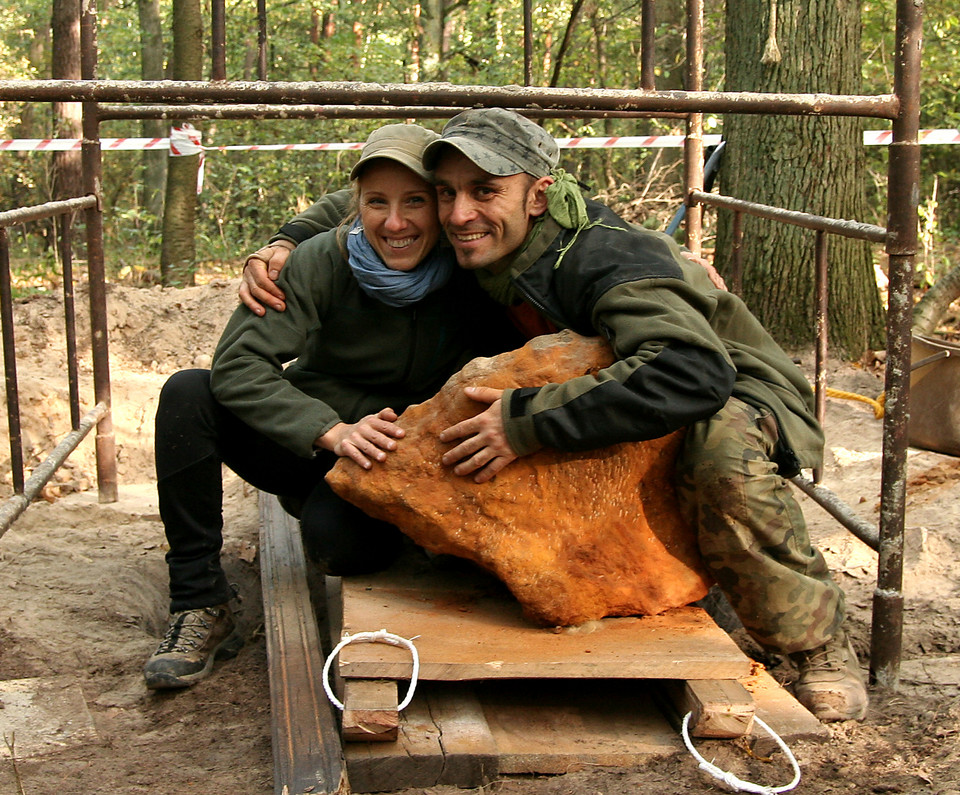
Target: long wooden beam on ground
307,754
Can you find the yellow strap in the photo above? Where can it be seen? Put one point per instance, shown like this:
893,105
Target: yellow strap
877,404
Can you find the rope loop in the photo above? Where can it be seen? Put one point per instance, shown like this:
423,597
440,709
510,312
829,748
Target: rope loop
380,636
731,780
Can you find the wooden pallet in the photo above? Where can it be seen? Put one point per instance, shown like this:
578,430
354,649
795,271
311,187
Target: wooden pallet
497,695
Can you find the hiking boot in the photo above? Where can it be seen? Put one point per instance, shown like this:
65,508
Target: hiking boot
830,683
194,639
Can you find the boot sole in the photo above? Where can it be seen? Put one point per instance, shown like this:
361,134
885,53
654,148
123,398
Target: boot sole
161,680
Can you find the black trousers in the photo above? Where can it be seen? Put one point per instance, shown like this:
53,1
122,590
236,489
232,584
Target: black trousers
195,436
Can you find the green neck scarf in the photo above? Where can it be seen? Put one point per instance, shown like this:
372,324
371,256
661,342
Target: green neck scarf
567,207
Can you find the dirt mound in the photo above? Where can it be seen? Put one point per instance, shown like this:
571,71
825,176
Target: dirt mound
84,595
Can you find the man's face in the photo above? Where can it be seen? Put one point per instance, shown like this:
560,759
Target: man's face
486,218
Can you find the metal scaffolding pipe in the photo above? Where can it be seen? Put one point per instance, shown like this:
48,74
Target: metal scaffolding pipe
47,210
885,106
821,283
10,364
106,450
648,45
903,178
842,227
113,112
18,503
693,144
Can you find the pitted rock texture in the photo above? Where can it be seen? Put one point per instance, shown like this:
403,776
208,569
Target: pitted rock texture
574,536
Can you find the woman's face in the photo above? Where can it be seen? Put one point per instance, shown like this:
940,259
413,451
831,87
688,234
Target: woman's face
398,210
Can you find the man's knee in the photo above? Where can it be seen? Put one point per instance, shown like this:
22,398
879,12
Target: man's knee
725,452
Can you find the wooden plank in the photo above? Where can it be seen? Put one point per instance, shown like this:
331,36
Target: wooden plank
719,708
370,711
560,726
306,740
470,755
547,727
43,715
781,712
470,628
414,760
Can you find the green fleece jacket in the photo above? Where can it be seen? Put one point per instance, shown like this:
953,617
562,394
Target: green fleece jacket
337,354
683,347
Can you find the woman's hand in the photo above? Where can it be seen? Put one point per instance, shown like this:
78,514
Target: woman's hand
260,272
371,436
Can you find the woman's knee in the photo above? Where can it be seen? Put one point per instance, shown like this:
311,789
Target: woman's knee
185,386
342,540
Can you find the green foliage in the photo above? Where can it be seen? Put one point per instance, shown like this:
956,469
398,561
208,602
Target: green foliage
248,194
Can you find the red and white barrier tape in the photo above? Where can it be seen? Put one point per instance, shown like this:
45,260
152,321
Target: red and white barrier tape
185,142
870,138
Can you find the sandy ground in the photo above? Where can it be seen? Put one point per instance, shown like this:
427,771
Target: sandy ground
83,600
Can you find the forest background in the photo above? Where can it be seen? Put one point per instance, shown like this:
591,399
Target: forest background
585,43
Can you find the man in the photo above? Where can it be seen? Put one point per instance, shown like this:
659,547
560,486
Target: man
688,355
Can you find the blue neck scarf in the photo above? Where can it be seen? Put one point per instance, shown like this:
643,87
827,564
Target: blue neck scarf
396,288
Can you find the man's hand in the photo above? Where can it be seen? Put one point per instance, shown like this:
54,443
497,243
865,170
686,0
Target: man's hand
260,272
484,449
372,436
712,272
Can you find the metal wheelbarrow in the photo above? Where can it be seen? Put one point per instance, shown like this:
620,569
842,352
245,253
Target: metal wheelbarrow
934,395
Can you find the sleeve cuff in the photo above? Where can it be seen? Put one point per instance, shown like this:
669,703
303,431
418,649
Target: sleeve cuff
293,232
518,427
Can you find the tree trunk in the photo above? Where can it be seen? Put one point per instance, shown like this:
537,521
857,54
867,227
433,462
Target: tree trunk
67,116
178,250
815,165
151,68
431,40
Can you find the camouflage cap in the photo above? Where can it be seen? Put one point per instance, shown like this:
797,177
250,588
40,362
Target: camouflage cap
404,143
499,141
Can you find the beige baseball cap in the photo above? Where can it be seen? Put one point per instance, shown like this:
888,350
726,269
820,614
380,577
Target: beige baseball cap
401,142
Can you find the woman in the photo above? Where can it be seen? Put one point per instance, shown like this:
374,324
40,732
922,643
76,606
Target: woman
377,317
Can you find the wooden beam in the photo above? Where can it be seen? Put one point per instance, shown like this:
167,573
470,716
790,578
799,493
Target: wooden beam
370,711
719,708
307,756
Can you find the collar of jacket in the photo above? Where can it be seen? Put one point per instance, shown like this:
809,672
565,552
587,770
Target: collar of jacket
544,232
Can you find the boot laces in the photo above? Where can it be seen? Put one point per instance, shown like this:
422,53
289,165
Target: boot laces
187,631
828,657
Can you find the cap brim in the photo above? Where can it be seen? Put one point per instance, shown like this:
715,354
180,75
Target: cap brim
403,159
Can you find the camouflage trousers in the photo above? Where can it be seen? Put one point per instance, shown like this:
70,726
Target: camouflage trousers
751,531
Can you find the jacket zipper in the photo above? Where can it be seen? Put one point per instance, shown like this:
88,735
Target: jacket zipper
539,306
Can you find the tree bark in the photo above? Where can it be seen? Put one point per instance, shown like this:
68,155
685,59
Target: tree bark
431,41
67,116
178,249
151,68
814,165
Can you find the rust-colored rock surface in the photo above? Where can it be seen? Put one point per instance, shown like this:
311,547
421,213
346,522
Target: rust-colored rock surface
574,536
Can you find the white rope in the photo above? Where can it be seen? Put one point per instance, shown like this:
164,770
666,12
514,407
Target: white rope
380,636
730,779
